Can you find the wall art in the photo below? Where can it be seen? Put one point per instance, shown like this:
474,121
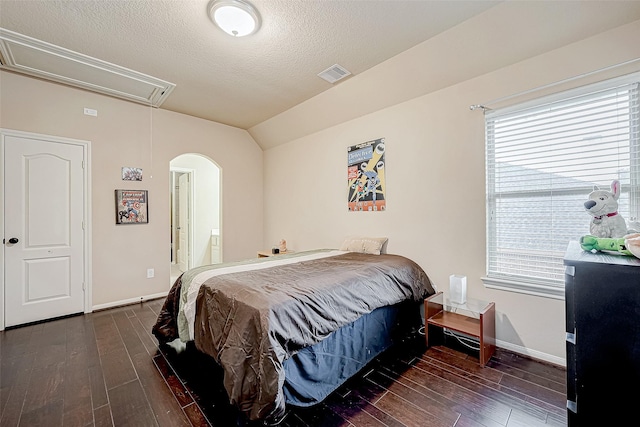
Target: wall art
131,174
132,207
366,176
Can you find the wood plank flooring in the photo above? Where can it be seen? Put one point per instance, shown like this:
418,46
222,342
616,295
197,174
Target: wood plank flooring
105,369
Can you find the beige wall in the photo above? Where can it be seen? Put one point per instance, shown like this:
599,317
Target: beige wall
128,134
435,181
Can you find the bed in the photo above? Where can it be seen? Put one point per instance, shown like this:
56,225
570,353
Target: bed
290,329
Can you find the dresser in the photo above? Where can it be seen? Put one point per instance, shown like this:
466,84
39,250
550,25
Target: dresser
602,297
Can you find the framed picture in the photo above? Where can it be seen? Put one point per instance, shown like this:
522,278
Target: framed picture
366,181
132,207
131,174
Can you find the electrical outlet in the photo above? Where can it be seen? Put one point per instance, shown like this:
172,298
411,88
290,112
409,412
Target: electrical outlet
150,273
91,112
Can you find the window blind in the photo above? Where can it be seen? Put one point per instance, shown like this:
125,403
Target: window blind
543,158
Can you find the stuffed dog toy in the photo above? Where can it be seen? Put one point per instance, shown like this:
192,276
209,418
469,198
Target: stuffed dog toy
603,207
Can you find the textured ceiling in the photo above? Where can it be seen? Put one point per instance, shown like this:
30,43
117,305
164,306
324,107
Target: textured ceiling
236,81
244,82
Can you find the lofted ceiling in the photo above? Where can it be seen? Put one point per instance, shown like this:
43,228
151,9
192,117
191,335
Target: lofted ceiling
244,82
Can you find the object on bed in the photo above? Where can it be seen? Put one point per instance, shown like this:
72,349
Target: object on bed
365,245
266,319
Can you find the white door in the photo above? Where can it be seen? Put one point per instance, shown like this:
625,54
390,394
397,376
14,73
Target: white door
44,237
184,194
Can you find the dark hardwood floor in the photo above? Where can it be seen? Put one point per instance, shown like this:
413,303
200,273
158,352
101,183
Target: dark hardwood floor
106,369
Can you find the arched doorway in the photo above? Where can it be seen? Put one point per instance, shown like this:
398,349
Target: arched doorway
195,213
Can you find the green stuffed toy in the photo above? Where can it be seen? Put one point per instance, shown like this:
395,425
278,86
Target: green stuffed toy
591,243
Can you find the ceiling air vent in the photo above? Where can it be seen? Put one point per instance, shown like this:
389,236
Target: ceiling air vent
25,55
334,73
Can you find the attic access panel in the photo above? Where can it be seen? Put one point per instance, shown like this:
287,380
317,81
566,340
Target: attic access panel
26,55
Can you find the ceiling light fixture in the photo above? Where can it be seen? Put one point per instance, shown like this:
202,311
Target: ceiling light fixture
236,17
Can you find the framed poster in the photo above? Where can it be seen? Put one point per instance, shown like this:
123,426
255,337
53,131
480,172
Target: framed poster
131,174
365,176
132,207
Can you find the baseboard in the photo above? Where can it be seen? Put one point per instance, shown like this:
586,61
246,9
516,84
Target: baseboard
560,361
129,301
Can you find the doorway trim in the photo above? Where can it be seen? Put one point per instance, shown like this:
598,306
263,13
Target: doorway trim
192,177
86,216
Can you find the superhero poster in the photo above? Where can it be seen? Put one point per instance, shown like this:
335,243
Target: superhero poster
365,176
132,207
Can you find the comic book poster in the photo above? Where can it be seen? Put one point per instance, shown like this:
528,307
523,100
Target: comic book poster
132,207
365,176
131,174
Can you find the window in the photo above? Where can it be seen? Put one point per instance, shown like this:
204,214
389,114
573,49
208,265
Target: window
543,159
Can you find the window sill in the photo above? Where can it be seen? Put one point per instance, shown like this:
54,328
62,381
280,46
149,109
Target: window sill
529,288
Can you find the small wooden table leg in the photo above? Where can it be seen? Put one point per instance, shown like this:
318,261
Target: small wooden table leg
431,308
487,333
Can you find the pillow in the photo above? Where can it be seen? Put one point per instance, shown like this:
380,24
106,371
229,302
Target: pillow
365,245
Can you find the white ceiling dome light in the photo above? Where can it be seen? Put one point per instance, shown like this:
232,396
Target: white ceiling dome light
236,17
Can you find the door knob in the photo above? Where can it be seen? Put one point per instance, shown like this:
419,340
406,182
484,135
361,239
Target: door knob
13,240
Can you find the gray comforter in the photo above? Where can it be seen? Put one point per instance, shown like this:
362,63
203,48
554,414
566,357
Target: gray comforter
251,321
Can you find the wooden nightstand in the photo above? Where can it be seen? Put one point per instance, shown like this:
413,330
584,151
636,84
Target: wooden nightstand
475,318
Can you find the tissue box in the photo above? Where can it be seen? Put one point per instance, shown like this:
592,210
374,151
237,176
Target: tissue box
458,289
